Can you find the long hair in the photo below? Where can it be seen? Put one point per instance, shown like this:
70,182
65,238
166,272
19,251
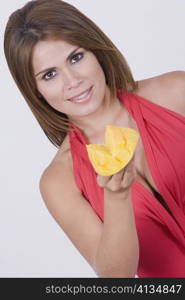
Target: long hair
43,20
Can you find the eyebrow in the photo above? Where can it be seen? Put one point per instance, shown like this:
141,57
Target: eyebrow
48,69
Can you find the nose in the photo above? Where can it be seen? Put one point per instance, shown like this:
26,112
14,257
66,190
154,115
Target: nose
71,79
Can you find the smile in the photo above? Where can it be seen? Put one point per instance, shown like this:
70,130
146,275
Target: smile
82,97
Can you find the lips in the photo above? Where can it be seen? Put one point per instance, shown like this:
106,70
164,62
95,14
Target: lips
80,96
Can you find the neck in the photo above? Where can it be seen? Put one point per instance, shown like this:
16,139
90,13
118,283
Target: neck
109,113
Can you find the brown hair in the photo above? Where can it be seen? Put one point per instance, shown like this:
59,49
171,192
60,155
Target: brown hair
43,20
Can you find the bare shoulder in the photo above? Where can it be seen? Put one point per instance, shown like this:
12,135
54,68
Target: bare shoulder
167,90
60,169
63,152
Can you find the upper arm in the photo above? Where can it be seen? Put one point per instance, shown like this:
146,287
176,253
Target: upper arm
71,210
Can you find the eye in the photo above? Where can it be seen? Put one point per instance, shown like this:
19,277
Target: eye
77,57
49,75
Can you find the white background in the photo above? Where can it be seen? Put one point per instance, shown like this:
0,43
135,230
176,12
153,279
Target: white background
150,33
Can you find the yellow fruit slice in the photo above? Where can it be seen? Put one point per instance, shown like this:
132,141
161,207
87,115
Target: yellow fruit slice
120,144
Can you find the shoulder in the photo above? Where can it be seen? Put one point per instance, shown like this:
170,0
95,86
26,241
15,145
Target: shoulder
167,90
59,167
63,153
58,180
56,169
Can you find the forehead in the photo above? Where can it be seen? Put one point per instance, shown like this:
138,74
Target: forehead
48,51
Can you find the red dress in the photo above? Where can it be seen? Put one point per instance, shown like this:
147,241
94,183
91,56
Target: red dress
161,235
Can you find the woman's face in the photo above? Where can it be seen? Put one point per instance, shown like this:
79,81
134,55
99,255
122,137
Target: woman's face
68,77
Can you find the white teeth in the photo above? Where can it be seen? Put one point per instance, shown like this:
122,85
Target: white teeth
80,97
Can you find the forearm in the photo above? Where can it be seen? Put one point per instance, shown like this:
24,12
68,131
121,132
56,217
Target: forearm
118,251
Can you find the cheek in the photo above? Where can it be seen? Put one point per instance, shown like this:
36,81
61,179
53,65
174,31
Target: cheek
50,91
99,75
94,68
99,71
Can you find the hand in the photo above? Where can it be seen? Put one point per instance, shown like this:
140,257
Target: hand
120,181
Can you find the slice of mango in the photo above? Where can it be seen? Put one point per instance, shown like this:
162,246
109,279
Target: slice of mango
120,144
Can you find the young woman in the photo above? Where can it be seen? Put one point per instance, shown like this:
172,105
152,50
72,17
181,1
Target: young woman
76,82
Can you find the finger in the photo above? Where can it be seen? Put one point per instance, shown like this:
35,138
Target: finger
102,180
129,176
115,181
117,177
131,161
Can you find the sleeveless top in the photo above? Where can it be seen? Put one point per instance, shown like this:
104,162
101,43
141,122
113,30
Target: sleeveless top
161,233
